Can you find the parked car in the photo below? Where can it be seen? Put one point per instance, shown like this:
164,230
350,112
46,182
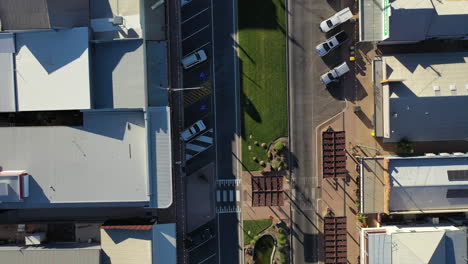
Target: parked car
194,59
334,74
325,47
184,2
193,130
337,19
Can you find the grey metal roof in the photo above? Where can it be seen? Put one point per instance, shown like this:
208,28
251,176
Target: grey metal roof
160,156
164,244
72,253
380,248
371,17
407,245
429,97
372,185
103,161
7,83
118,74
43,14
422,184
412,20
157,75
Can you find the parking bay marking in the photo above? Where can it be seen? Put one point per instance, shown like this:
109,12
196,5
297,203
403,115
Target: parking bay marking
196,32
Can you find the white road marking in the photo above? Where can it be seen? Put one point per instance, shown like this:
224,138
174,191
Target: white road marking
199,48
195,15
207,258
196,32
194,147
205,139
237,196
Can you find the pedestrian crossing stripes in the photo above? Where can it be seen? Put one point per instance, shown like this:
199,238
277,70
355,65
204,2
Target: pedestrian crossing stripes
228,209
228,194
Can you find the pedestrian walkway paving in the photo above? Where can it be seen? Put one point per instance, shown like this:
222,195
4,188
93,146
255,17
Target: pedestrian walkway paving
228,194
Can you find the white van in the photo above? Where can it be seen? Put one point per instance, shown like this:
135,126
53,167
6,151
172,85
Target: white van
193,59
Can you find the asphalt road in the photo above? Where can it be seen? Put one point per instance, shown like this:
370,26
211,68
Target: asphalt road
310,104
226,101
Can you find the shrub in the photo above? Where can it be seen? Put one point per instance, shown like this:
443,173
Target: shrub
282,239
255,159
275,164
358,204
362,218
405,147
279,146
256,143
283,258
262,163
264,145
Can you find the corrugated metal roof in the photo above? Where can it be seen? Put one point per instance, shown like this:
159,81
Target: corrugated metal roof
371,20
7,83
24,14
128,227
43,14
380,248
422,184
160,156
82,254
105,160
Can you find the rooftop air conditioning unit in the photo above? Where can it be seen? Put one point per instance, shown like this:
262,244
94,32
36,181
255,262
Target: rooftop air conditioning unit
445,154
117,20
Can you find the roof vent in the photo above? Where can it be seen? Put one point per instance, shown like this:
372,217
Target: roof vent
117,20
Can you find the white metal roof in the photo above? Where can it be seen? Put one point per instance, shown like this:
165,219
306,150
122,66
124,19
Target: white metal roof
105,160
76,253
422,184
52,70
427,97
160,156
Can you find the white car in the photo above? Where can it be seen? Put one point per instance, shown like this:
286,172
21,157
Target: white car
184,2
325,47
335,74
337,19
193,130
194,59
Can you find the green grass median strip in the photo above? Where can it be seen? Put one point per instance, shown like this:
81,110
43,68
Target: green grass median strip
262,51
255,227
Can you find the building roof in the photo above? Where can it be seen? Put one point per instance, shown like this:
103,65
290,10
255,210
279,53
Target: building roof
102,12
414,184
7,73
403,245
119,74
122,246
426,98
164,244
76,253
409,21
423,184
52,70
160,156
43,14
103,161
